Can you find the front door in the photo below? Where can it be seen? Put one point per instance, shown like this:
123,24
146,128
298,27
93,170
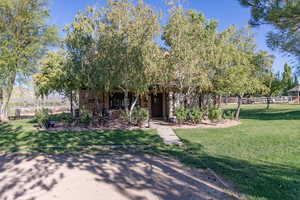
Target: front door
157,105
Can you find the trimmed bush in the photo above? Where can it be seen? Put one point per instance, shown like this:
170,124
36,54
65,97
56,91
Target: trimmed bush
42,117
181,114
215,113
124,116
67,118
86,118
195,115
140,115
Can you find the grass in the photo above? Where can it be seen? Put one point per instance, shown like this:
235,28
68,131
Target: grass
22,135
261,156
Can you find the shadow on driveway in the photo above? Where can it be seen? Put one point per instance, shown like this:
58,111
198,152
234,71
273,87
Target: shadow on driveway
109,176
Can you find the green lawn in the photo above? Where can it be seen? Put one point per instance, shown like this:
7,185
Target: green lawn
22,135
261,156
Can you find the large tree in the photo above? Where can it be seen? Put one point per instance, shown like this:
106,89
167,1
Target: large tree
24,37
287,79
190,40
55,77
114,48
237,75
284,15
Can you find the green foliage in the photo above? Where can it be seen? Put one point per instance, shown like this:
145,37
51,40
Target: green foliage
284,15
288,81
25,35
181,114
190,38
195,115
229,114
236,153
274,85
42,117
215,113
124,116
123,29
54,75
140,115
67,118
86,118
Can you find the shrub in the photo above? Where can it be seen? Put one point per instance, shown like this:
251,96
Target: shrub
86,118
67,118
124,116
195,115
181,114
140,115
42,117
229,114
215,113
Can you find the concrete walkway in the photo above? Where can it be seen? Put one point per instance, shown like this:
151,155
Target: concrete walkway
166,133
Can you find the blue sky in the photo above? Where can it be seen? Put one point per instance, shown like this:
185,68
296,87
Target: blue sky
226,12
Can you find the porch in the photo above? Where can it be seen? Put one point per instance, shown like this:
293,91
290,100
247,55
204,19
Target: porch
161,105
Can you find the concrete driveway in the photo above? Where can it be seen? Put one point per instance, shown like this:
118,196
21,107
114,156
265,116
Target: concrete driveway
107,177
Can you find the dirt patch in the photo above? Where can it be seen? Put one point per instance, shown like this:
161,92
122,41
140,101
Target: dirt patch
110,125
109,176
117,125
204,124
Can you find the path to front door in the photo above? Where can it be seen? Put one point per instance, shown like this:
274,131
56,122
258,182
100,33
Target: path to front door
166,133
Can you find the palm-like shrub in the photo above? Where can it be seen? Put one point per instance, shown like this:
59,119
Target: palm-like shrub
215,113
42,117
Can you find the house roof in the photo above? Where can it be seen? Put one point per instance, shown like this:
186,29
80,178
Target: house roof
295,89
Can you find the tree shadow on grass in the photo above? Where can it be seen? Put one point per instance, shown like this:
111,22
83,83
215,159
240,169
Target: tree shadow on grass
22,174
13,137
272,114
263,180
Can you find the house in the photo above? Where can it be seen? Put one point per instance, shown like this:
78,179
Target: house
161,104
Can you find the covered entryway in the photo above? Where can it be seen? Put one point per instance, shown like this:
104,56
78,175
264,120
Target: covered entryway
157,105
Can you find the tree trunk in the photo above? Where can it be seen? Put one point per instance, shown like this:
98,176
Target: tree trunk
126,101
237,114
6,92
97,103
4,106
268,103
181,97
220,100
71,104
132,107
200,101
